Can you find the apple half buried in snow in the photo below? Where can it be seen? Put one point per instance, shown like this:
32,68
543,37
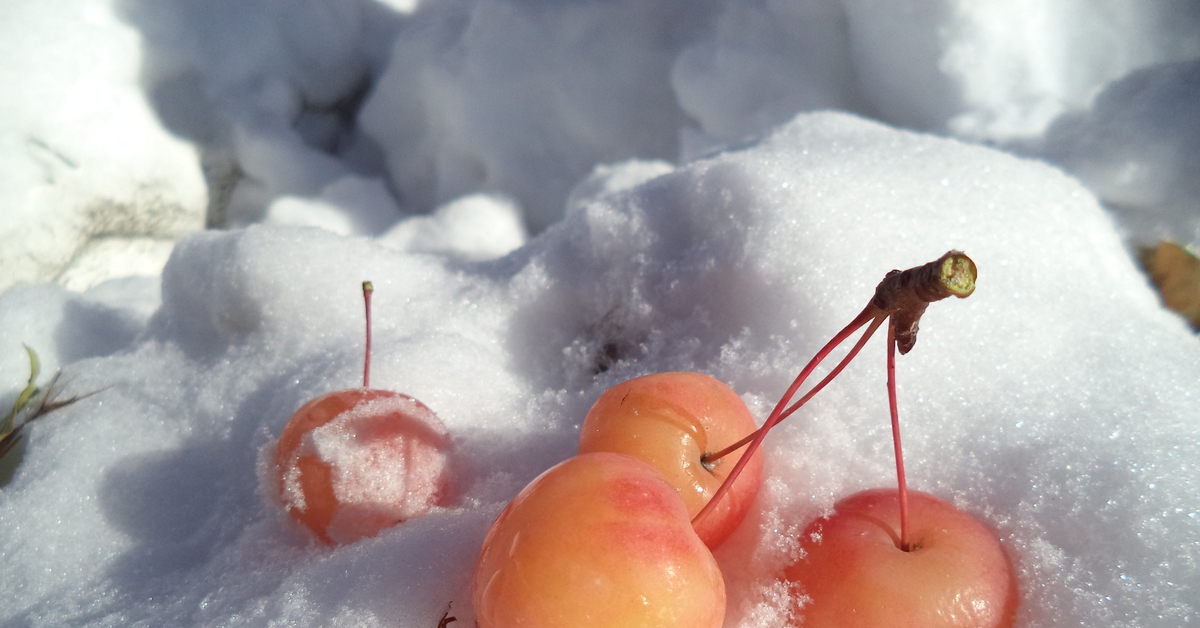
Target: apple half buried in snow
856,576
670,420
353,462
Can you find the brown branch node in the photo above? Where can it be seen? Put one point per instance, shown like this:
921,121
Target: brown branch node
904,295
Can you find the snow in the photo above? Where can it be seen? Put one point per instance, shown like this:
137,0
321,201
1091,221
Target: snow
1138,148
552,198
82,158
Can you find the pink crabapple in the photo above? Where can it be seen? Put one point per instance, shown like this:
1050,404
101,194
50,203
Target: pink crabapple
955,573
873,563
354,462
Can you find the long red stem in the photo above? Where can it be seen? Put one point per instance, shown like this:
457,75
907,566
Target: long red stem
875,323
891,386
367,290
776,415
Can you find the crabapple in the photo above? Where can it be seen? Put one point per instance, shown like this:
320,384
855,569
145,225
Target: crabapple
353,462
671,420
600,540
955,574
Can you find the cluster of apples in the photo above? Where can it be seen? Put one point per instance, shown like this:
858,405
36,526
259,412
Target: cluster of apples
620,534
668,466
606,537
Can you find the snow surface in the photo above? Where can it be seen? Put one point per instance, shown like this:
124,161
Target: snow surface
82,157
684,217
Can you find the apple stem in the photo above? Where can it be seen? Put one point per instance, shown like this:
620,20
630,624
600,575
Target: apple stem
875,323
869,313
892,407
367,289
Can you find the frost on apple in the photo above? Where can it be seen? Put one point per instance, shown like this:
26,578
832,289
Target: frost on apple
380,462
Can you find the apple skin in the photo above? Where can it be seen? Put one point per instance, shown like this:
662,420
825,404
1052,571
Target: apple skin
856,576
670,420
598,541
386,459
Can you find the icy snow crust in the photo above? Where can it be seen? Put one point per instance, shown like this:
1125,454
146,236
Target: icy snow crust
1057,404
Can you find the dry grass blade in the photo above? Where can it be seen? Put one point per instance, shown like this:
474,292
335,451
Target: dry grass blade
10,429
11,439
42,401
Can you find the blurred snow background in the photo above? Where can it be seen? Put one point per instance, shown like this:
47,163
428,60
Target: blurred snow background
552,197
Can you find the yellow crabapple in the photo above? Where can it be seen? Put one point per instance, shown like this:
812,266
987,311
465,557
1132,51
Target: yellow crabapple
598,541
671,420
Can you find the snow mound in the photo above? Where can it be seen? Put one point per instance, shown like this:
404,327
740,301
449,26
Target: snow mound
1056,404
